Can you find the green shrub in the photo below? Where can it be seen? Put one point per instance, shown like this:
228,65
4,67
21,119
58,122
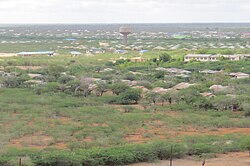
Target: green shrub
118,88
246,109
65,79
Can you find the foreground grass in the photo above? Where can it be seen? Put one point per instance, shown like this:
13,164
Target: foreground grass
127,154
57,129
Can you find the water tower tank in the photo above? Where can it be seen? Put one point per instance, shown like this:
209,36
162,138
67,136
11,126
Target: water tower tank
125,31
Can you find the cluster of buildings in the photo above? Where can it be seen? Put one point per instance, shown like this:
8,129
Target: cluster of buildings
210,57
91,51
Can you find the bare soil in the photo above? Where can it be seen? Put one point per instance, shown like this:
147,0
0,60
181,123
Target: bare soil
37,140
231,159
30,67
7,54
158,131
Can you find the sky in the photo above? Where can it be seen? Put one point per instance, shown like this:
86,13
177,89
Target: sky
123,11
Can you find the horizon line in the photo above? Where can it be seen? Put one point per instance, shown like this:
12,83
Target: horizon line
218,22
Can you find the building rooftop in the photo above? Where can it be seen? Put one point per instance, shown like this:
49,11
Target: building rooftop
75,53
36,53
198,55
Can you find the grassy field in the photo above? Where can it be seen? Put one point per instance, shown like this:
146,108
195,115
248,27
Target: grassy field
62,122
60,128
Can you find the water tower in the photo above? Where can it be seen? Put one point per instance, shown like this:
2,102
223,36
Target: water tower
125,31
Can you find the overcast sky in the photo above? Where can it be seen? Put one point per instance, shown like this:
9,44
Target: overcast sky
123,11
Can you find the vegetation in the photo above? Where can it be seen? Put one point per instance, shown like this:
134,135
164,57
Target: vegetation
90,111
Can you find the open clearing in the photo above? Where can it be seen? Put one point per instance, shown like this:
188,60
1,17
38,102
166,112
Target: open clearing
7,54
231,159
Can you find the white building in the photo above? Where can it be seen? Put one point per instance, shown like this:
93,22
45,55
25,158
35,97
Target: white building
48,53
75,53
210,57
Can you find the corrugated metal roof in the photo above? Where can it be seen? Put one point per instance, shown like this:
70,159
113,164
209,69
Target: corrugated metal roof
36,53
75,53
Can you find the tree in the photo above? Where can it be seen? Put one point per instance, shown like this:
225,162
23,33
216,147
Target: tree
165,57
121,61
159,75
152,97
169,96
98,69
72,86
202,51
86,85
131,96
101,87
130,77
227,52
226,103
154,60
118,88
55,70
193,97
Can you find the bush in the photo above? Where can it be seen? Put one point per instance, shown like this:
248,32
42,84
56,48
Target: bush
14,82
4,161
118,88
245,144
128,154
65,79
58,158
55,70
165,57
109,64
47,88
131,96
246,109
200,148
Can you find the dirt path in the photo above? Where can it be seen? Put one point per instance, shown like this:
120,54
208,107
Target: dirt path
231,159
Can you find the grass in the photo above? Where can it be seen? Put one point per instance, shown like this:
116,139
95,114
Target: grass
127,154
62,129
69,119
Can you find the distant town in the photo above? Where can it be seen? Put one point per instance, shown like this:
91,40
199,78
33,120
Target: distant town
122,94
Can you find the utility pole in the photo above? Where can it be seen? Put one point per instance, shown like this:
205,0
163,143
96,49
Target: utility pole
20,162
171,156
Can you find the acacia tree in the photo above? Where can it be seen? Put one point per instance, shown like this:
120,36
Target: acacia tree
86,85
169,97
152,97
118,88
98,69
101,87
131,96
164,57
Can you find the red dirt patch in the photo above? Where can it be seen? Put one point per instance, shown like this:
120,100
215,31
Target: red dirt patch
223,131
88,139
136,138
61,145
99,125
38,140
63,120
144,135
